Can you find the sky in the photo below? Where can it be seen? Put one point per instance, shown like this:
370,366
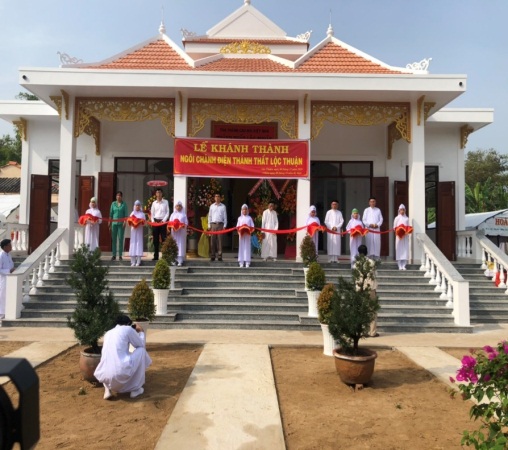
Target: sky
463,37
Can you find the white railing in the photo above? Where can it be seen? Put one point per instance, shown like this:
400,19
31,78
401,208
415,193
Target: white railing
447,280
18,233
468,246
493,259
32,273
79,236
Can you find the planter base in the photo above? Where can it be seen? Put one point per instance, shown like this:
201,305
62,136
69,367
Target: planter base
355,370
88,362
328,341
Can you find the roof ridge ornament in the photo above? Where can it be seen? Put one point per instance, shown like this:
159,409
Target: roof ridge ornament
329,32
66,59
246,2
186,33
304,36
422,65
162,26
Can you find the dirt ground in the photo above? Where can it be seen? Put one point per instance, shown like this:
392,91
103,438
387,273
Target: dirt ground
404,406
8,347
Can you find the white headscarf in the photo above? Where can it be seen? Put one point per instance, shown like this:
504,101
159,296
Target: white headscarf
246,207
402,206
312,208
181,204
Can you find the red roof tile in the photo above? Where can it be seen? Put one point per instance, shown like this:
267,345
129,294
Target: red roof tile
333,58
257,41
157,55
244,65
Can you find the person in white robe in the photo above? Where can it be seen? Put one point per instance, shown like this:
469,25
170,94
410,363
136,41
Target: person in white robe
354,241
92,228
244,242
312,218
119,369
269,221
373,219
401,243
136,242
6,267
334,222
180,235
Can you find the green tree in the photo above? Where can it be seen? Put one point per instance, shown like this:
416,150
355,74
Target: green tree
10,149
486,196
26,96
481,165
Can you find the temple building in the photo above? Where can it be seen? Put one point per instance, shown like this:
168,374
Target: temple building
240,104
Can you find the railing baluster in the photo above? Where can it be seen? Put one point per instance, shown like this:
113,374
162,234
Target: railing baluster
432,273
52,261
438,281
46,268
427,266
33,289
57,255
40,274
424,259
449,295
26,289
444,288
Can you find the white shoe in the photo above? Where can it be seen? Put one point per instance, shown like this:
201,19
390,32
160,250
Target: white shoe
107,393
138,264
274,259
403,268
240,264
179,264
247,265
132,265
137,392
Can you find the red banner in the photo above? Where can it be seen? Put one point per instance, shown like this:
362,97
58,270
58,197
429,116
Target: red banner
241,158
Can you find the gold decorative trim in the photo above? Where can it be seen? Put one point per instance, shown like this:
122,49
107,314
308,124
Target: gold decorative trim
66,103
180,109
246,47
419,104
285,112
393,135
22,127
427,106
305,98
361,114
57,100
124,110
465,131
93,129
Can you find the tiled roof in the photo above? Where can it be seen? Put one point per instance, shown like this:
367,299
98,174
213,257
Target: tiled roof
157,55
10,185
244,65
333,58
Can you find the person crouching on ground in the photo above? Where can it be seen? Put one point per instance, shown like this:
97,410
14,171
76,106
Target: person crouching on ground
119,370
370,281
6,267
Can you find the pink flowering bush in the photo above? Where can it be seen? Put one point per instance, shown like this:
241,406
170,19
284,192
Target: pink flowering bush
485,379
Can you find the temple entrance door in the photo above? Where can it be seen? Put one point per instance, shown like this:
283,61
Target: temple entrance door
40,205
84,194
445,219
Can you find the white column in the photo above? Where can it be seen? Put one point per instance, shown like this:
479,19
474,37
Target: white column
460,192
416,194
303,187
66,193
180,190
24,206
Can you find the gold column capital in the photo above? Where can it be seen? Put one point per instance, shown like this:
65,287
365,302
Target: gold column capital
465,131
22,127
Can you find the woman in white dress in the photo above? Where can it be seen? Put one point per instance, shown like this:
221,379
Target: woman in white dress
120,370
136,243
244,243
92,227
180,235
401,243
354,241
314,219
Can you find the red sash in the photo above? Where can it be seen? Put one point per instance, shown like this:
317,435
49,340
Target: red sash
402,230
135,222
87,218
358,231
244,230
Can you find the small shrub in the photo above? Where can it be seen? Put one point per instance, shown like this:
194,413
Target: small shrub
308,251
141,302
316,278
161,276
170,250
324,303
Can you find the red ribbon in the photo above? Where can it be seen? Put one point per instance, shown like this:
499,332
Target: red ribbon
402,230
244,230
175,225
358,231
87,218
313,227
135,222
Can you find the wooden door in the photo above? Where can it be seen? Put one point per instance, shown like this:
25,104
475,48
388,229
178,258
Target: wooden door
40,206
106,195
445,219
85,193
379,190
400,196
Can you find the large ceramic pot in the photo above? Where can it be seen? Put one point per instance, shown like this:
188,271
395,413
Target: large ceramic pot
88,362
161,301
328,341
312,298
355,369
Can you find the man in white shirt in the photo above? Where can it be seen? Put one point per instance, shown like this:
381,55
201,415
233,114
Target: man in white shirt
160,213
373,219
217,221
269,243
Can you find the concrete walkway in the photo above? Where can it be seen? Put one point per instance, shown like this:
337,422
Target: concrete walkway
229,401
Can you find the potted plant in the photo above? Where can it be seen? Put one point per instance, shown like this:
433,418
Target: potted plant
324,307
308,254
161,279
96,309
315,280
170,254
353,309
141,306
